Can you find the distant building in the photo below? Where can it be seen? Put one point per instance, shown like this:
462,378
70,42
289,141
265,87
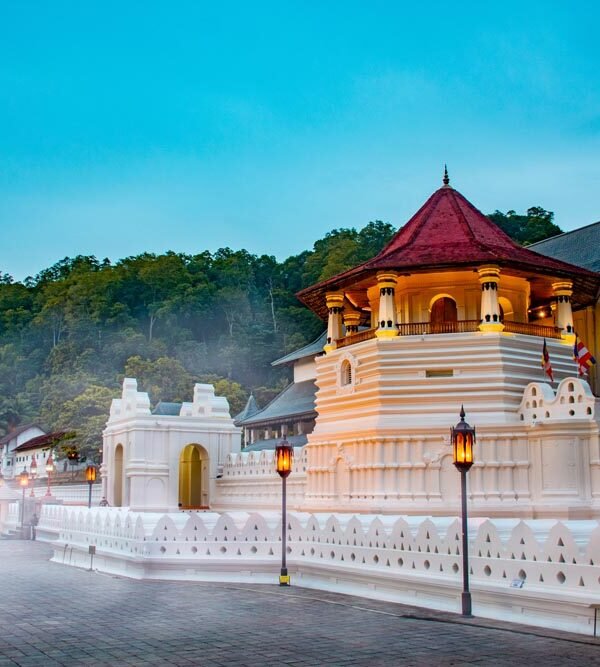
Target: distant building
12,461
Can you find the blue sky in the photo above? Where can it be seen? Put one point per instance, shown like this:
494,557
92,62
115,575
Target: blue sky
146,126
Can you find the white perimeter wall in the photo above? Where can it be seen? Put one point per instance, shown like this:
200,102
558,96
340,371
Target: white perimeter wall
406,559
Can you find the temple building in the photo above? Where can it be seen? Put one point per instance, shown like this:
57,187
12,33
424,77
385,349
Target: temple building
450,312
457,313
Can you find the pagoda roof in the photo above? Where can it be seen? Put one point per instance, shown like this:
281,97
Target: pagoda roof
449,233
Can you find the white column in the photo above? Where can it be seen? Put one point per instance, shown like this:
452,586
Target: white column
386,319
564,314
335,305
489,278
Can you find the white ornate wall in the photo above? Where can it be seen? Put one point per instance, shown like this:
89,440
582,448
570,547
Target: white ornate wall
405,559
537,452
250,482
141,453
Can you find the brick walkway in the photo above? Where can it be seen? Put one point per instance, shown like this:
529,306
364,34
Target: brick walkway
56,615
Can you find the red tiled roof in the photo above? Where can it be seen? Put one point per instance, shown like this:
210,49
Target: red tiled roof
449,232
46,440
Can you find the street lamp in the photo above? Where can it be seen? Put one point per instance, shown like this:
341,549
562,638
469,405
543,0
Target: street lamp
463,439
49,471
33,474
23,483
284,456
90,475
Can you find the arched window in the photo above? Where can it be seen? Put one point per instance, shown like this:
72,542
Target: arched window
443,315
346,373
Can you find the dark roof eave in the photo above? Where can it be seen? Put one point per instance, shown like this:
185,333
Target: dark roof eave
588,280
278,420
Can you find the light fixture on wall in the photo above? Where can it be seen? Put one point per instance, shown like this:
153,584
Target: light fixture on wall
284,456
90,476
463,440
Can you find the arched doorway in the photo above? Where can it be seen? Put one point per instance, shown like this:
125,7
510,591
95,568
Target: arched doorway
443,315
118,477
193,477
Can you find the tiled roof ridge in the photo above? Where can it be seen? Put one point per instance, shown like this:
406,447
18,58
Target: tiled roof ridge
569,231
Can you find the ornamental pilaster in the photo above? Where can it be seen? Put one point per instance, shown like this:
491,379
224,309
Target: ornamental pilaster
386,322
489,279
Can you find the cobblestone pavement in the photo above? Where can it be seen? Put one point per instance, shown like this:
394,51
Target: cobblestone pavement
51,615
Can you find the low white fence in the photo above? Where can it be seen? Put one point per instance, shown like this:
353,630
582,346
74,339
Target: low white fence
77,493
404,559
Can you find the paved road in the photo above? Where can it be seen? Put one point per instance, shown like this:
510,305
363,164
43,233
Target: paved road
56,615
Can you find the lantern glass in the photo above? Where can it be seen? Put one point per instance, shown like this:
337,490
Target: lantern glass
50,464
284,455
463,440
24,478
90,473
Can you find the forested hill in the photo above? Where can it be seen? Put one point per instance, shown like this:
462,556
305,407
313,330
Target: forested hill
70,335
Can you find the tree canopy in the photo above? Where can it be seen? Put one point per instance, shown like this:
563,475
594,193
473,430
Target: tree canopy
69,335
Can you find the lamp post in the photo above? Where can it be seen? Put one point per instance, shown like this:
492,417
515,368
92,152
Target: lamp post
284,456
463,439
33,474
23,483
49,471
90,475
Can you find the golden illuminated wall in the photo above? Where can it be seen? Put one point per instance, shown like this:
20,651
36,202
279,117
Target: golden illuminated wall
415,294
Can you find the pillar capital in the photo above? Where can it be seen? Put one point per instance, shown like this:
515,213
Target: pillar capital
351,321
563,288
334,299
490,273
387,279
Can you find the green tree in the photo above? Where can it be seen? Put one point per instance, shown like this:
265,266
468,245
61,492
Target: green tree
165,379
537,225
85,416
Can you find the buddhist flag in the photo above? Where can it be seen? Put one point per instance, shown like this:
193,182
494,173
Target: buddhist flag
582,356
546,365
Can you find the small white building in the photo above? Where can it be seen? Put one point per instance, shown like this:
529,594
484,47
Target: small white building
12,461
168,458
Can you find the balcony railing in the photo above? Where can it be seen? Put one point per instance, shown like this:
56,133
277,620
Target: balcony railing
462,326
532,329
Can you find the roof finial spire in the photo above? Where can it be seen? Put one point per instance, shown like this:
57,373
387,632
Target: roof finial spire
446,179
